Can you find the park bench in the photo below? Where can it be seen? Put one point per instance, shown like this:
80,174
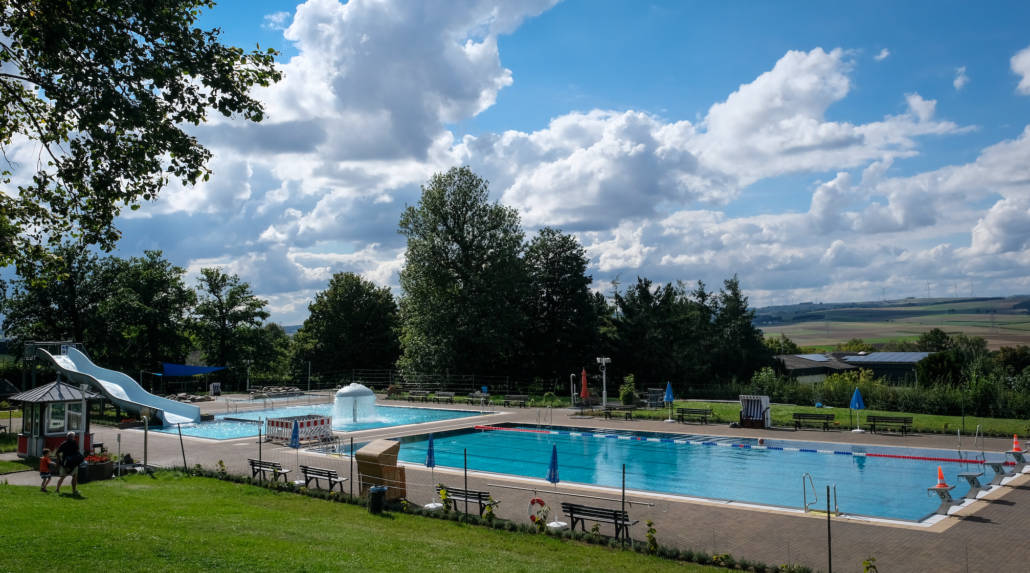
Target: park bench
700,413
262,467
627,411
580,513
904,422
480,498
519,400
418,395
444,397
825,419
316,474
478,398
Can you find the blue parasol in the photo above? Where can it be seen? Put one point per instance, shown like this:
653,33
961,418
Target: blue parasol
431,458
856,403
552,470
669,399
295,435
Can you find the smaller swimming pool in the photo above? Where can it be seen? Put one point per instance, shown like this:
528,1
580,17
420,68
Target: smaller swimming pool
247,424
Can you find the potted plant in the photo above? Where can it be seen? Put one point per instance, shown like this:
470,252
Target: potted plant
98,466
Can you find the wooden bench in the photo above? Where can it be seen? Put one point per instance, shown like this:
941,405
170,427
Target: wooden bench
316,474
702,413
478,398
444,397
262,467
480,498
580,513
519,400
627,411
800,417
904,422
418,396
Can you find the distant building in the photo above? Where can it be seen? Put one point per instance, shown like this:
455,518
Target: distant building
897,367
894,366
811,368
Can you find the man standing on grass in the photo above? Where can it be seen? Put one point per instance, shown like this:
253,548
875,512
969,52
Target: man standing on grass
69,458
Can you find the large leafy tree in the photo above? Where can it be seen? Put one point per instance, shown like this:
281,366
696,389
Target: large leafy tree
104,88
142,320
563,330
226,318
55,297
464,282
351,324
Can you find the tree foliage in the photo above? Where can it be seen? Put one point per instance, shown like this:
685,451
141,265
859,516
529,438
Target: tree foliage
130,314
665,333
104,88
563,317
352,324
464,283
227,318
141,321
782,345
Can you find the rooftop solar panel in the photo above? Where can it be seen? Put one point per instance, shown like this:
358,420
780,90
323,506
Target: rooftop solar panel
891,357
813,357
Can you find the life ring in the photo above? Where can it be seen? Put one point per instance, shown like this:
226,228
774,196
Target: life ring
537,509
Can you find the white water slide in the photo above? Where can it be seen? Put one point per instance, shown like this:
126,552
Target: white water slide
120,388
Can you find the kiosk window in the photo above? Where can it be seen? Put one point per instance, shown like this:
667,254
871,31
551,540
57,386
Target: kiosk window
74,417
55,424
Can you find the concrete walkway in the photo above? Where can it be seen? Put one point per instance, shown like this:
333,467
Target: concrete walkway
990,535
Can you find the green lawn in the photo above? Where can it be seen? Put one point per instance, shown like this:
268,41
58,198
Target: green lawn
725,412
7,466
176,523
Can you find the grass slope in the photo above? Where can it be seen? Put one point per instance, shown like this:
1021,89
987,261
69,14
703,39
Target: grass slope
175,523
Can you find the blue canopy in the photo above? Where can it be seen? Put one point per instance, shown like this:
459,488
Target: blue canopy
856,400
430,454
184,370
552,470
668,391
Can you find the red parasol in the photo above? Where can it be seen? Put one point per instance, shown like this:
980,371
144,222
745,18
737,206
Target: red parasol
584,393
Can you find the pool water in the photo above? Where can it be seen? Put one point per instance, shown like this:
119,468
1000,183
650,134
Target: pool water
228,429
732,469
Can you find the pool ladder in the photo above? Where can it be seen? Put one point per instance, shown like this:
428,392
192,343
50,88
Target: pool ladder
978,438
806,480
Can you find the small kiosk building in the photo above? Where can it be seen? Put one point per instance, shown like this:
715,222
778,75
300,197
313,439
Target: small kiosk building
49,412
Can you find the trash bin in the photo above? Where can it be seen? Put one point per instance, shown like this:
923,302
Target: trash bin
216,389
376,498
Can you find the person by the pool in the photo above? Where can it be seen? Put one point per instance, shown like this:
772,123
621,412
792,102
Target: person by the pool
70,458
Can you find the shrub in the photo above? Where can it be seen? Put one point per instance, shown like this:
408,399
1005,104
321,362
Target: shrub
628,391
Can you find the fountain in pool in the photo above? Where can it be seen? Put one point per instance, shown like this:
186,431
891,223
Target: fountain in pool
354,403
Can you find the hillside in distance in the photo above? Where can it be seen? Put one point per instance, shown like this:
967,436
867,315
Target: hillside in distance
1003,321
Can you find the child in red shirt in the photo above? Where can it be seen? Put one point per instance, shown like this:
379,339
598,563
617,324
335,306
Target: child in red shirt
44,469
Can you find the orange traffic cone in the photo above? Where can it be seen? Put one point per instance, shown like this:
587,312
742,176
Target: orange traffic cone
940,479
1015,443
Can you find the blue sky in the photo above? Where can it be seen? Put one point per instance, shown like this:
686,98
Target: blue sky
820,151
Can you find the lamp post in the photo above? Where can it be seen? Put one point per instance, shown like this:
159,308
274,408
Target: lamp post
603,361
247,362
572,390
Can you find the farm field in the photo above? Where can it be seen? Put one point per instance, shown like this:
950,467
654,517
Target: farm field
997,321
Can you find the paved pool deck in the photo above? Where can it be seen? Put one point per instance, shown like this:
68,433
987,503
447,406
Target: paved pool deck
992,534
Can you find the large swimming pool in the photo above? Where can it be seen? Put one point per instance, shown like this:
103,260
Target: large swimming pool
870,481
246,424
